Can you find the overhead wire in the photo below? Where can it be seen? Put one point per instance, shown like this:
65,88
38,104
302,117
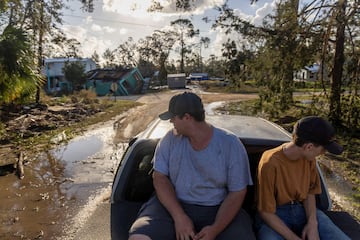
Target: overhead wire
113,21
117,21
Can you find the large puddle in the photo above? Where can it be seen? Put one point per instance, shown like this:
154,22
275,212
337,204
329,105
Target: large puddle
79,150
61,188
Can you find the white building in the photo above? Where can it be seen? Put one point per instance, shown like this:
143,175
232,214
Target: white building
309,74
176,80
55,77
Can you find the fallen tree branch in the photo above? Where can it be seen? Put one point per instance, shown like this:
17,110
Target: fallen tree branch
20,166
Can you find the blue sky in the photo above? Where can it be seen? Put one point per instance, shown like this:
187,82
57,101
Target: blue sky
113,21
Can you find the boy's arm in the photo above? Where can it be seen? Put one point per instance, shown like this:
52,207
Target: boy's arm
273,221
166,194
310,230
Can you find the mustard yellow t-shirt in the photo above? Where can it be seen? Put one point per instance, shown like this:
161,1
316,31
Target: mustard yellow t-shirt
281,180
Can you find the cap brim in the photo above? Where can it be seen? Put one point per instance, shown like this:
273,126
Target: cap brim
334,148
166,115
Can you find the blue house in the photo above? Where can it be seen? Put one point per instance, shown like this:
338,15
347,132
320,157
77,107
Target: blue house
55,77
118,82
310,73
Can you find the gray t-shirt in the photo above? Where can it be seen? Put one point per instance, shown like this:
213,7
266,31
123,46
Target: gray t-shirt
204,177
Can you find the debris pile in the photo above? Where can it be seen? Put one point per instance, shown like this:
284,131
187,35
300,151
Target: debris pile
21,122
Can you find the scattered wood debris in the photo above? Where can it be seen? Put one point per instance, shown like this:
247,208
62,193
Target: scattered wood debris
21,122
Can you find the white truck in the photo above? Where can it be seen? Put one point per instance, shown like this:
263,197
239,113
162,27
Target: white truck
132,184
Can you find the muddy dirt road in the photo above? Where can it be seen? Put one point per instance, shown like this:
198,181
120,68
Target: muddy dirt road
63,187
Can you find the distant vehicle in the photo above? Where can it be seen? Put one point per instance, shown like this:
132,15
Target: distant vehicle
132,184
199,76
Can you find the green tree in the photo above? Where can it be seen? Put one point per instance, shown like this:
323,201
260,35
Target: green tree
279,38
181,5
74,72
38,17
19,77
64,47
215,66
146,68
95,56
126,53
184,29
109,57
293,38
157,48
204,43
339,59
229,52
38,20
340,21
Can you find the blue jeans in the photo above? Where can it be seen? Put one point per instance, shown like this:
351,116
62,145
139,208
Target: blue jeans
294,216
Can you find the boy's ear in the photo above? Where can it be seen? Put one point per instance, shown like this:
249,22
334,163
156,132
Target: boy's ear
187,116
308,146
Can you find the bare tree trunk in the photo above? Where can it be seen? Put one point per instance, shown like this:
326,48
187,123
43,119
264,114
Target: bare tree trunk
286,84
182,67
40,50
335,92
162,72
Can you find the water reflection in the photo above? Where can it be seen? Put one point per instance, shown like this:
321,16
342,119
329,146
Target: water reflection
78,150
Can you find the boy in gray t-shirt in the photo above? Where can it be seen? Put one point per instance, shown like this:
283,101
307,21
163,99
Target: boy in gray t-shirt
200,177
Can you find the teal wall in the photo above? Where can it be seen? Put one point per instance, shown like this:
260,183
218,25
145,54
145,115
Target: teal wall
129,84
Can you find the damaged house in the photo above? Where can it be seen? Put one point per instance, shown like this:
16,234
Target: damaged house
118,82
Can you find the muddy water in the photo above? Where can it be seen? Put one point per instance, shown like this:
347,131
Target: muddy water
211,108
61,187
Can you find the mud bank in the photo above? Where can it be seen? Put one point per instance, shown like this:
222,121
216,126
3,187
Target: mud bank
61,187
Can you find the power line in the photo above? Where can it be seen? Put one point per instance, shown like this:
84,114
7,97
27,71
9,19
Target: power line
122,22
114,21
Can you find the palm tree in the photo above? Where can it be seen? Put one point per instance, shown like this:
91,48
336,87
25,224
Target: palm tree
20,77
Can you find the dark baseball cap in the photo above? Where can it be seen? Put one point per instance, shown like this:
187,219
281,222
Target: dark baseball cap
319,131
180,104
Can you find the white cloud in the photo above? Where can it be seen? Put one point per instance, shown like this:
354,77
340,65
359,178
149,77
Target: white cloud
76,32
88,43
242,15
109,29
139,8
256,18
96,28
100,45
89,19
123,31
132,8
199,6
219,39
266,9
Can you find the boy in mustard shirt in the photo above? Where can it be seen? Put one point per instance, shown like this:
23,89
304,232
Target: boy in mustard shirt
288,181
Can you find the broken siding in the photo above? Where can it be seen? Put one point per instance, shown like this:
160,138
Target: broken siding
129,81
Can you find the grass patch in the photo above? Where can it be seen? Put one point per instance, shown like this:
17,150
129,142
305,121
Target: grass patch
225,86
